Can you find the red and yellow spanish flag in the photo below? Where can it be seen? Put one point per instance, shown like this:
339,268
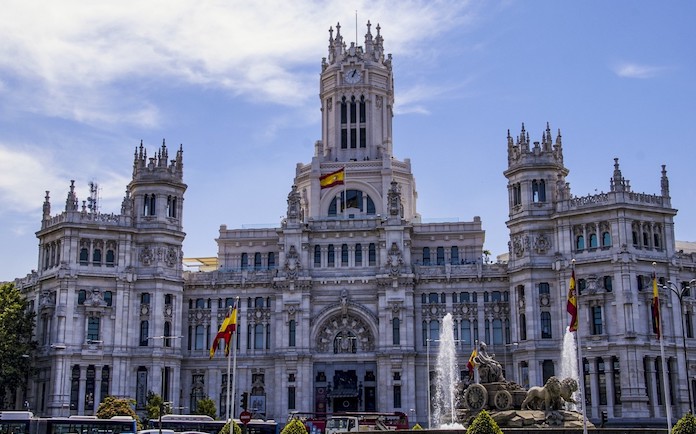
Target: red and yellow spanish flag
472,362
334,178
227,328
572,305
656,308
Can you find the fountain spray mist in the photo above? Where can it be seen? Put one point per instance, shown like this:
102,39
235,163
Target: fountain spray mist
569,363
447,376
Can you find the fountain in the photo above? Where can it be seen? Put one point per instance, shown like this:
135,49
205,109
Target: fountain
447,369
569,364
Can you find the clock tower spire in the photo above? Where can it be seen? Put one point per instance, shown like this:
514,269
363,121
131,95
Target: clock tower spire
357,97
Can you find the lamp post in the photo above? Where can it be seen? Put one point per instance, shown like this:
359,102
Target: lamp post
681,293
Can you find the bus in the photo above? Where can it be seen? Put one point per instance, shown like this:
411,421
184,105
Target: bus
366,421
15,422
206,424
85,425
24,422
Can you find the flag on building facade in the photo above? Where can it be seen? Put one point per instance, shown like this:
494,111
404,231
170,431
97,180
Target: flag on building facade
572,305
227,328
656,308
472,362
334,178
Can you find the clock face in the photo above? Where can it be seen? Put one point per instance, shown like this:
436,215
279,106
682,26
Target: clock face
352,76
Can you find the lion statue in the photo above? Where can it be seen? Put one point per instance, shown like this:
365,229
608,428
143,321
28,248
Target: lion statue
552,396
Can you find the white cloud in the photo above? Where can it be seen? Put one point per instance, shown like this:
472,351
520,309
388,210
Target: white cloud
634,70
71,58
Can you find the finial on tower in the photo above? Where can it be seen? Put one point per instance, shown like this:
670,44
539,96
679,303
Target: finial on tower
664,182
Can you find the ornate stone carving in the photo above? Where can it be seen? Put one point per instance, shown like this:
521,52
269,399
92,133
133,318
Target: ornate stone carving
146,256
394,260
344,333
542,244
292,265
394,199
171,257
294,204
95,298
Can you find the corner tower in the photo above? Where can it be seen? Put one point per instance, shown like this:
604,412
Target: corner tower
536,181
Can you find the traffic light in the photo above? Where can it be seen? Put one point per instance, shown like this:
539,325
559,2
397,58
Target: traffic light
244,400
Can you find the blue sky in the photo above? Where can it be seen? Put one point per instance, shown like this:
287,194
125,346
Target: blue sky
82,82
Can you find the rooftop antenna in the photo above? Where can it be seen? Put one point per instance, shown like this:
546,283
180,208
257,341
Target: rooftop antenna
356,27
93,199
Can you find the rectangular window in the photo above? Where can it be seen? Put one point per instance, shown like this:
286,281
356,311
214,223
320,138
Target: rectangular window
397,396
291,398
396,331
544,288
358,255
292,333
344,138
353,138
372,255
596,320
258,336
363,137
93,328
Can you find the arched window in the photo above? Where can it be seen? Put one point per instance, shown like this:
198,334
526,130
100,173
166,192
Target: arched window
110,258
363,131
81,296
317,256
580,242
372,255
84,256
538,191
245,261
426,255
257,261
144,330
271,260
516,194
344,255
171,206
593,241
96,257
606,239
546,325
331,256
440,256
358,255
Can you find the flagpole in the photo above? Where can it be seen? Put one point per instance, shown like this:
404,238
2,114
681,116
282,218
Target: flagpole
228,408
663,365
233,341
345,191
581,366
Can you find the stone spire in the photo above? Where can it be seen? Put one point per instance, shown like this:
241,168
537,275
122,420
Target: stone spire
664,182
47,206
71,203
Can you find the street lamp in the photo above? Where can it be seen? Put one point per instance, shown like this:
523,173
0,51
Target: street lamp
681,293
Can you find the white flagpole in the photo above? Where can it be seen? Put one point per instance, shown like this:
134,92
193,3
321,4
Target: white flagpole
665,383
581,370
228,407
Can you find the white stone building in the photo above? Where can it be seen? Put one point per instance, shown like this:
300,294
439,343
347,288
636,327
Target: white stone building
341,305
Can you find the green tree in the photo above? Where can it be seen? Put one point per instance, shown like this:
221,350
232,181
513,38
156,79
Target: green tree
16,344
206,406
686,425
112,406
226,429
484,424
154,404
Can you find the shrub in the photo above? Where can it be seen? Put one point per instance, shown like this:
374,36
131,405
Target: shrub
484,424
295,426
686,425
226,429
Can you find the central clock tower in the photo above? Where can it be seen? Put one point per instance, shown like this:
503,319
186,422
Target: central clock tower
357,96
